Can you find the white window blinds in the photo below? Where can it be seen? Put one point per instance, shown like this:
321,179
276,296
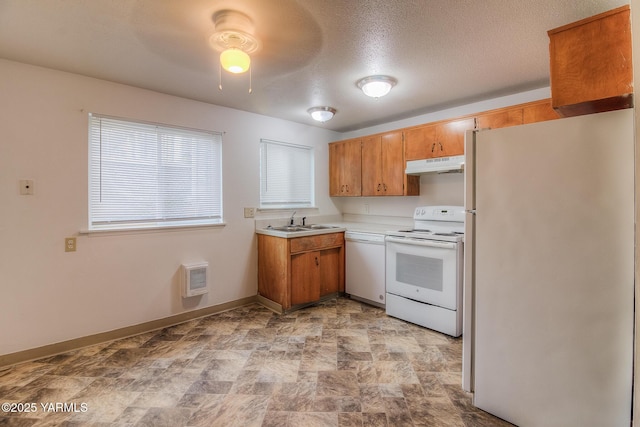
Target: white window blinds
286,175
143,174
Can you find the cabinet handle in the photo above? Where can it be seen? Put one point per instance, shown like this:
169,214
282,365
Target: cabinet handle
317,262
433,147
347,187
440,144
384,186
379,187
342,189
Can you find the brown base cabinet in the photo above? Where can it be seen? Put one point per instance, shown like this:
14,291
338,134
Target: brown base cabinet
300,271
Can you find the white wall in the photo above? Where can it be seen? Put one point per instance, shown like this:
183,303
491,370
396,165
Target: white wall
115,280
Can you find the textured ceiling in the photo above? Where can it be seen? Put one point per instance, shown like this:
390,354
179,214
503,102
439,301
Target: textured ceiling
443,52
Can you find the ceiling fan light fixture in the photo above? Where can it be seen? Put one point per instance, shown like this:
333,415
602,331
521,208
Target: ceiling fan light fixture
376,86
235,60
322,114
234,38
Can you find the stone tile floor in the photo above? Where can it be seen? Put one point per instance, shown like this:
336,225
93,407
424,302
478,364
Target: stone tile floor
339,363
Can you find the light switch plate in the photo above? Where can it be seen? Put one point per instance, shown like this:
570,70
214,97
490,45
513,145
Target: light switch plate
249,212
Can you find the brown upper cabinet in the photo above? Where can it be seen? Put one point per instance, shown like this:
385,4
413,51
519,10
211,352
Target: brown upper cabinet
591,64
370,166
383,166
501,118
437,140
345,167
531,112
538,111
374,165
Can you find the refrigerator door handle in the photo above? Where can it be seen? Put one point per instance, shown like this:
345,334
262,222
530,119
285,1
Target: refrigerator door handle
468,303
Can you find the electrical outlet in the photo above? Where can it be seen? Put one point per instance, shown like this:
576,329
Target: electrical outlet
249,212
26,187
69,244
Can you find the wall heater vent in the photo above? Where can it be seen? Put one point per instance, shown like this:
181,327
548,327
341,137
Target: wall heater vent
194,279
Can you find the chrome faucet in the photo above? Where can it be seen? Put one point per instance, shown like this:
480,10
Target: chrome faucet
291,219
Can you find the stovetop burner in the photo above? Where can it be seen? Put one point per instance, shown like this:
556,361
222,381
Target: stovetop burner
444,223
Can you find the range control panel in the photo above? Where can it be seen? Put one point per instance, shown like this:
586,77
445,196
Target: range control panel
439,213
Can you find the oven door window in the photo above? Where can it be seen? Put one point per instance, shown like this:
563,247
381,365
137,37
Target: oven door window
419,271
423,273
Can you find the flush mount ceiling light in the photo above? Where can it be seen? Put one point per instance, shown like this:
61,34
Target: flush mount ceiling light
321,114
376,86
234,39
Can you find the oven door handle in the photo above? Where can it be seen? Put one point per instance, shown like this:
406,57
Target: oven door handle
421,242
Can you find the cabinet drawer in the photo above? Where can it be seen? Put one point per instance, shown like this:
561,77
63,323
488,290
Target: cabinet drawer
302,244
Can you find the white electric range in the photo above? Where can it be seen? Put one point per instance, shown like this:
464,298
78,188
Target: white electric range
424,267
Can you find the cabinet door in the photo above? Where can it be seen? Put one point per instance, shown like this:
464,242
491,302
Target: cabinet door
371,166
420,143
336,153
331,271
273,268
500,119
393,164
450,136
345,168
383,165
351,169
591,64
305,277
437,140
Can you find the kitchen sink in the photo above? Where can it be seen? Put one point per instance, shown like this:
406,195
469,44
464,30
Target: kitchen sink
289,228
295,228
293,231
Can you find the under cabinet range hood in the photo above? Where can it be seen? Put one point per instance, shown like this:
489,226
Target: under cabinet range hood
435,165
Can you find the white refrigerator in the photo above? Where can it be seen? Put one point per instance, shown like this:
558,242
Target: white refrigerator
549,271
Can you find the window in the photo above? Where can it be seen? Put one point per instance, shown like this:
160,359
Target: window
150,175
286,175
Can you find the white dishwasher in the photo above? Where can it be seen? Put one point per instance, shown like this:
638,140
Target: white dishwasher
365,267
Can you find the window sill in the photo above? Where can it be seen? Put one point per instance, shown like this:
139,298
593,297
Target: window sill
137,229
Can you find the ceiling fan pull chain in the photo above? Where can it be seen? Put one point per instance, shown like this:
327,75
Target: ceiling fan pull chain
250,89
220,77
